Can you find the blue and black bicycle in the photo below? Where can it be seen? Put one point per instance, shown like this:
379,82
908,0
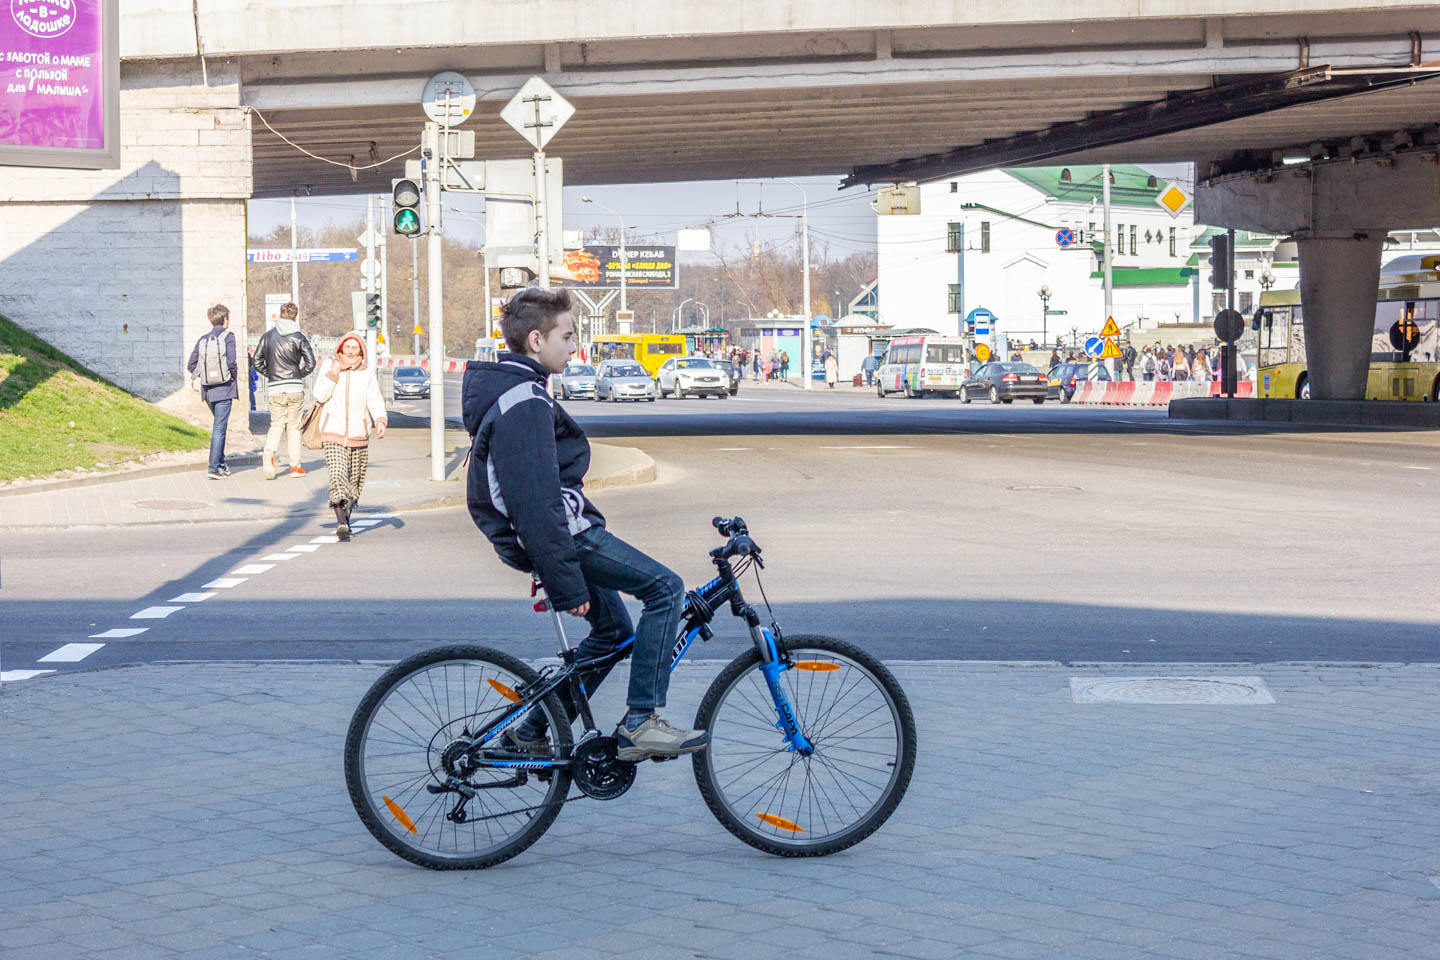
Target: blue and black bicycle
812,740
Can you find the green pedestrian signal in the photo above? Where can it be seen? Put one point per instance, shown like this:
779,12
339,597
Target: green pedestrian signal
406,194
372,309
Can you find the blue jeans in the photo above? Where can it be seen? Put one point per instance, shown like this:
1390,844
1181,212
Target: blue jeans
611,567
221,411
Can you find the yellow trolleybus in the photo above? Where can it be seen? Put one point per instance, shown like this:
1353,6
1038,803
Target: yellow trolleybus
1409,291
650,350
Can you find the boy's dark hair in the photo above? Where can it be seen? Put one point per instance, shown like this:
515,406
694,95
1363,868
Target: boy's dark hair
218,314
531,309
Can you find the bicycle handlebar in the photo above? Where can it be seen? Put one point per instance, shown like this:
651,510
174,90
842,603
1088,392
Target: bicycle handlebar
739,544
729,526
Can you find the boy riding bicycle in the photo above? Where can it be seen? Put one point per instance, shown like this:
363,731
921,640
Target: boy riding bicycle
524,489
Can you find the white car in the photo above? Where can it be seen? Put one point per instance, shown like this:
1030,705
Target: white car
683,377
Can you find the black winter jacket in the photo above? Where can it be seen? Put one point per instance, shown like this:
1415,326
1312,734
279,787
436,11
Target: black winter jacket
528,459
283,356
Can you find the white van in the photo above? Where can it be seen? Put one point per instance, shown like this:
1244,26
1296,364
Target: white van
919,365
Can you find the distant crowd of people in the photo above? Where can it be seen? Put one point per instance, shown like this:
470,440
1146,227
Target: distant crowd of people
1161,363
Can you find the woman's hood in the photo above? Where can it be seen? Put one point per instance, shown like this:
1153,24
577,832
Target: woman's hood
364,360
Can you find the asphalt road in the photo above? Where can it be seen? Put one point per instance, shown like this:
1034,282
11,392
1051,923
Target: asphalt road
922,529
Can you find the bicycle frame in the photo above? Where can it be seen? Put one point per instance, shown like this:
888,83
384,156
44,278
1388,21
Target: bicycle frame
700,608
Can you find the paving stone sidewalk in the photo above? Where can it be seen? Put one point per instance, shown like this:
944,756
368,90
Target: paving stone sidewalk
398,478
199,811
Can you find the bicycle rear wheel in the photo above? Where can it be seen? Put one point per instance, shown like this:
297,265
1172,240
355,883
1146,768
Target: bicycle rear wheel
408,733
855,715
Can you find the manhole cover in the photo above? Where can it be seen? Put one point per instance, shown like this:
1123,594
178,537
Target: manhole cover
1224,690
1045,488
172,504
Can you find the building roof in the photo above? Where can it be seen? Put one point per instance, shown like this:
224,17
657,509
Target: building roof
1148,276
1132,186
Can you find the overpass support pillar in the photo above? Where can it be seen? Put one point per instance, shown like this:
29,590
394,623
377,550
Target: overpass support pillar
1339,210
1338,278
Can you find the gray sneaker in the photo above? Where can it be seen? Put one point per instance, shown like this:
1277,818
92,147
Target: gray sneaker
656,738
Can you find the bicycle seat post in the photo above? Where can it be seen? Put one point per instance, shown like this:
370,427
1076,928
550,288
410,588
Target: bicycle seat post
536,587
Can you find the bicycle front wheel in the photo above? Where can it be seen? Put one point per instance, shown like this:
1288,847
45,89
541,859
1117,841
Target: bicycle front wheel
853,712
409,733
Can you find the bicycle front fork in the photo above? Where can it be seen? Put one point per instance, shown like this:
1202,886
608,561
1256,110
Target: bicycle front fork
771,665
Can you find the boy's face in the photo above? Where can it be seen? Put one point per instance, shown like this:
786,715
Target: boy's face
554,349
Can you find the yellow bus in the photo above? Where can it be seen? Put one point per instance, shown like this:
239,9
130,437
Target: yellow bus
650,350
1409,291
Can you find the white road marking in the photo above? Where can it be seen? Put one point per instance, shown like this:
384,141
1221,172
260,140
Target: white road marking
362,524
119,632
330,539
191,598
280,556
378,516
224,583
304,548
733,449
155,613
1406,466
871,447
70,653
10,676
253,568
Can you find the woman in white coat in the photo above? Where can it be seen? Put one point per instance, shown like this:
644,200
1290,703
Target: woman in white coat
350,392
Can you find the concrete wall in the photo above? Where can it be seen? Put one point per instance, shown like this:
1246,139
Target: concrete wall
117,267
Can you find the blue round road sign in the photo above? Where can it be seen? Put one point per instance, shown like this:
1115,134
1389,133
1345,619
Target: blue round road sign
1093,346
1065,237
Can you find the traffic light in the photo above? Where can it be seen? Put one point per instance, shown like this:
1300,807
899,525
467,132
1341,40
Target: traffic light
406,194
1220,261
372,309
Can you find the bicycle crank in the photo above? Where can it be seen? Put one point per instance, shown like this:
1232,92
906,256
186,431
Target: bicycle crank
598,772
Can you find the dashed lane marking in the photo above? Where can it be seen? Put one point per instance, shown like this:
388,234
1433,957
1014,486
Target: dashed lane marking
304,548
252,568
224,583
877,446
280,556
119,633
155,613
70,653
191,598
328,539
11,676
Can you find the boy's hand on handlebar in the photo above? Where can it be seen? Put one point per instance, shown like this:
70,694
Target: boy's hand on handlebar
579,611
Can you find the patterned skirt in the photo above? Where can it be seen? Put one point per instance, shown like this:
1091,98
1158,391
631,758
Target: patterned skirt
346,466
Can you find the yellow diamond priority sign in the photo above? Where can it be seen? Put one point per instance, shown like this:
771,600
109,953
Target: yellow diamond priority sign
1173,198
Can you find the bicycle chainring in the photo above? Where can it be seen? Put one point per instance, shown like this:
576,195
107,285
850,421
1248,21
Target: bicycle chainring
598,772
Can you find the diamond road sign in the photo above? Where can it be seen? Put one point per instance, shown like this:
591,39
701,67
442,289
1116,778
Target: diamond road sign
1173,198
537,112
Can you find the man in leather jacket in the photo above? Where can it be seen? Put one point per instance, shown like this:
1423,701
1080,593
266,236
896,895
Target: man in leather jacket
285,358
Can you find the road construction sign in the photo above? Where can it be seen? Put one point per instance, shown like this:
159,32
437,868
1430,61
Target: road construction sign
417,331
1109,351
1111,329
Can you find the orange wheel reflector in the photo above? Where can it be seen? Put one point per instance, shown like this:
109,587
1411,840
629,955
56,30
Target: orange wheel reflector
399,814
780,822
816,666
504,691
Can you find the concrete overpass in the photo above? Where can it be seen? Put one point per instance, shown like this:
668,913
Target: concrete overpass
689,90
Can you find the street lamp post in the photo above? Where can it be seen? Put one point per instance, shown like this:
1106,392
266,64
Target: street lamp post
805,360
624,254
1045,293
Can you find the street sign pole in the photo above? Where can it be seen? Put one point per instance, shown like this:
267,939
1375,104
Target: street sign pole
434,251
542,231
1109,250
294,258
370,286
385,273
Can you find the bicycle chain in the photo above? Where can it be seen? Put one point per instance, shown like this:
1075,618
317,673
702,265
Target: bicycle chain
511,813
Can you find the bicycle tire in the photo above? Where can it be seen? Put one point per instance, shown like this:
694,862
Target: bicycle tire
803,649
378,819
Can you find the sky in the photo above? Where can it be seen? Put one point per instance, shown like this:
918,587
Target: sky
841,220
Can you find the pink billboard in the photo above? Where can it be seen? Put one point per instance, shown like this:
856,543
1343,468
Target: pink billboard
58,73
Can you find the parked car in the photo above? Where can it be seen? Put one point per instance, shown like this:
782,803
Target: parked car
411,383
1005,382
732,372
623,380
576,380
683,377
1062,379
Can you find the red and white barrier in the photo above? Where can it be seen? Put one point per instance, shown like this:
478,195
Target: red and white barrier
1130,393
451,366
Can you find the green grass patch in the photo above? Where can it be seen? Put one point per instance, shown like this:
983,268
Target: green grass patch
57,415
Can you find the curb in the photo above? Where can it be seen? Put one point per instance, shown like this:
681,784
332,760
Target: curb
45,486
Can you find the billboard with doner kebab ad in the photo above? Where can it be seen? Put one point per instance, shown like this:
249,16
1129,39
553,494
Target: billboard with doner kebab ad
60,83
597,267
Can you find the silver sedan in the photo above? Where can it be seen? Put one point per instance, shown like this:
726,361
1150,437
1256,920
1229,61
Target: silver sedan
577,380
623,380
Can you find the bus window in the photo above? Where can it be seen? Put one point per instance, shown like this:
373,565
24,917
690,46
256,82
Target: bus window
944,353
666,348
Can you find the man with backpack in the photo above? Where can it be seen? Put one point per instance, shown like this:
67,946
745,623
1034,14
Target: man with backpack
284,357
212,363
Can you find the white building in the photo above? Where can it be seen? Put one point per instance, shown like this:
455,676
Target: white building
988,240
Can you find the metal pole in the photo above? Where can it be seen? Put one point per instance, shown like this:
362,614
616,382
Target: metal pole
385,272
370,284
805,320
294,262
1109,249
624,262
489,307
434,251
415,284
542,232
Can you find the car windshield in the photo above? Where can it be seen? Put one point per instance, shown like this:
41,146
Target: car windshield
1016,368
579,370
625,370
409,373
694,363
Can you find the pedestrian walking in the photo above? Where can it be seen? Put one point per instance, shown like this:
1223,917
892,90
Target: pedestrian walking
784,365
755,365
1163,368
350,392
832,370
254,381
285,357
868,366
212,363
1200,367
1054,359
